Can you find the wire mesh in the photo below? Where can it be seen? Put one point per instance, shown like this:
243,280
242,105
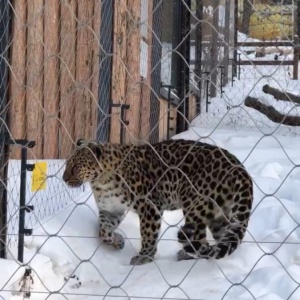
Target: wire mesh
134,72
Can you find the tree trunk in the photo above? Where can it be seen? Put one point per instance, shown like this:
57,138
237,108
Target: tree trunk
271,113
247,12
281,96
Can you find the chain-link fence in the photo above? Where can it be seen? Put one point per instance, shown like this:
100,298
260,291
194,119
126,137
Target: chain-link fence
133,73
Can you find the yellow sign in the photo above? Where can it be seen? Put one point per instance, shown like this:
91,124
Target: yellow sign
39,176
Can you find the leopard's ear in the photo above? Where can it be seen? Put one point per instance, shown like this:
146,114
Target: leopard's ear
95,149
80,142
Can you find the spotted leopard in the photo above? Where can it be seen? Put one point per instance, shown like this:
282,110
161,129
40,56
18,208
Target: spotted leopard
208,183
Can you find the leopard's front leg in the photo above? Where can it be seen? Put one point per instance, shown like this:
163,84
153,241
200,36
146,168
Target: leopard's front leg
150,223
108,224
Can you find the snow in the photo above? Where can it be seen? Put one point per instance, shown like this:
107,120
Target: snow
265,266
228,110
46,203
69,262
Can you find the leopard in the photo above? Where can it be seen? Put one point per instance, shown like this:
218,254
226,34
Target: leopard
208,183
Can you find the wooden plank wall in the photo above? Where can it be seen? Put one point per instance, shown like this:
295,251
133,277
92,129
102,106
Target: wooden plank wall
55,69
51,79
34,76
54,74
128,86
17,90
67,76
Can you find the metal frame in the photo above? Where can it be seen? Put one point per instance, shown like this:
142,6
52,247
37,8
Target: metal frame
105,72
182,18
5,22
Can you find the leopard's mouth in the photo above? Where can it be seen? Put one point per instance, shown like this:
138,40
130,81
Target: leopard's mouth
74,183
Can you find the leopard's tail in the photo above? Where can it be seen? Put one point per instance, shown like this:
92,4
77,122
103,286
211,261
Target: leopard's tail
228,239
232,237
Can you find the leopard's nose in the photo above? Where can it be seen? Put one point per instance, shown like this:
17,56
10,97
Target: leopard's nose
66,175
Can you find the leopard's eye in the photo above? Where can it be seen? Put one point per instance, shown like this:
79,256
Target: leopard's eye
73,170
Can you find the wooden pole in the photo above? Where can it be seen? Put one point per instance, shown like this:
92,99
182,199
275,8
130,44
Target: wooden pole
51,79
145,113
34,74
133,78
95,66
84,61
118,67
17,91
67,76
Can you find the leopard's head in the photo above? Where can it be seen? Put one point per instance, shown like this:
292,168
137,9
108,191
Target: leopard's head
83,165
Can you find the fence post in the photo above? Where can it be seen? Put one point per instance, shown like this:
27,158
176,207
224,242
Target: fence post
105,72
3,191
23,208
214,49
198,54
226,44
235,39
156,70
296,57
4,41
183,72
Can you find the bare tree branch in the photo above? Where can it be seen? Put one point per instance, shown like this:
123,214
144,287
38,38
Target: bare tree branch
271,113
281,96
247,12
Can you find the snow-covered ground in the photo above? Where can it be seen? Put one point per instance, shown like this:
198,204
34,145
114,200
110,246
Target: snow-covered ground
68,262
266,265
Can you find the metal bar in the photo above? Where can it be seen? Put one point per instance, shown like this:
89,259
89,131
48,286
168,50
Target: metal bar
221,79
22,205
5,25
207,89
296,58
183,72
207,94
266,62
239,66
226,41
298,19
176,38
214,49
198,53
265,44
235,39
21,142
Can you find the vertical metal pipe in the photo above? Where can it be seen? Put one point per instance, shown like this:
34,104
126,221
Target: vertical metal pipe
183,71
169,107
235,39
22,204
198,53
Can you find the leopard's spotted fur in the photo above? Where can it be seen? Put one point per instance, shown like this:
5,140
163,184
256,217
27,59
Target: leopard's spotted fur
208,183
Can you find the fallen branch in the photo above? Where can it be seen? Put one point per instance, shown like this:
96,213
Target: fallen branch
271,113
278,95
